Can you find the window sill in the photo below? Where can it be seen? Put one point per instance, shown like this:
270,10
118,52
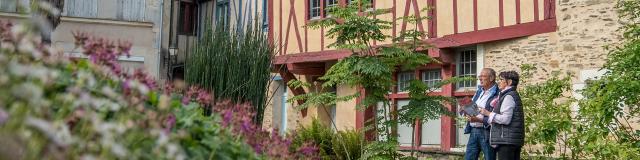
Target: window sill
87,20
463,93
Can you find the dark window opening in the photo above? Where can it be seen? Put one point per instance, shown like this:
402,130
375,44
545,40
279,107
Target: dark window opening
188,19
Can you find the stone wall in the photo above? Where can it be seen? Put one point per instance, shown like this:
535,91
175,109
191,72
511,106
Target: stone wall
584,28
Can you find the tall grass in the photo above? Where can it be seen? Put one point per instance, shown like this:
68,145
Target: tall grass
232,64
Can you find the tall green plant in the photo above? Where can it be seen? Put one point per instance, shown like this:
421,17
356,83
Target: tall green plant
371,67
233,64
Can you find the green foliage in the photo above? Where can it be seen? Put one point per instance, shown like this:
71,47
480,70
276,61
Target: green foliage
348,144
57,108
371,68
318,134
233,65
207,140
601,129
548,113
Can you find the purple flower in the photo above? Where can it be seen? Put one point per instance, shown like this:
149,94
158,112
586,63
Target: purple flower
169,123
226,117
3,116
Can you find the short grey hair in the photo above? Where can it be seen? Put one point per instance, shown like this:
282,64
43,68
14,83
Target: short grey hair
492,74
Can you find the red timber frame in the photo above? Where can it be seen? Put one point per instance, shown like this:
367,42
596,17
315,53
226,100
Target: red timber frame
312,62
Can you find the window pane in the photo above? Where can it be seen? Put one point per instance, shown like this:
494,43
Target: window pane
404,130
431,132
403,80
81,8
467,67
130,10
8,5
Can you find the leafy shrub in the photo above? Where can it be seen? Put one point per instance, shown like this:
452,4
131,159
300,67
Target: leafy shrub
348,144
602,128
318,134
63,108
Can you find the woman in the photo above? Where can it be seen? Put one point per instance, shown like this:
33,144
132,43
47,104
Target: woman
507,118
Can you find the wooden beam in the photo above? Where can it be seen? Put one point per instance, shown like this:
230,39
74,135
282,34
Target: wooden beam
287,77
447,128
280,28
501,12
517,11
494,34
433,19
475,15
315,69
536,11
270,21
454,40
455,16
319,56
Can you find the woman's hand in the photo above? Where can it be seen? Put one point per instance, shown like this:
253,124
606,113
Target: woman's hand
484,112
473,119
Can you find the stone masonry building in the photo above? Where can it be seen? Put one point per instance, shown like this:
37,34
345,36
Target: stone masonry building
553,35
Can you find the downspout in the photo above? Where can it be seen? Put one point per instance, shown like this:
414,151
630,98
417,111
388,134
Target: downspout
170,45
160,42
239,18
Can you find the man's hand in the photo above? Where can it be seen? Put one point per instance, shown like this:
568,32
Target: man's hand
473,119
484,112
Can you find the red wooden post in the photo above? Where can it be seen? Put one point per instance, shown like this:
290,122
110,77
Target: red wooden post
455,16
447,132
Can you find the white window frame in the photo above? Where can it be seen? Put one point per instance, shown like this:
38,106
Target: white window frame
223,12
327,6
317,8
460,67
403,83
429,80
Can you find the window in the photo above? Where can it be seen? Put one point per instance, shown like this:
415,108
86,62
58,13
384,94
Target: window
81,8
466,67
314,9
431,77
8,5
328,4
130,10
187,18
404,78
369,4
265,16
222,12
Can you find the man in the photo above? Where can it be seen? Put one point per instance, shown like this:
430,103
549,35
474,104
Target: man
477,126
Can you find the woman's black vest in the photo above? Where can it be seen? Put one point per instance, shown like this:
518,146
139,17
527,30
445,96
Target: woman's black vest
513,133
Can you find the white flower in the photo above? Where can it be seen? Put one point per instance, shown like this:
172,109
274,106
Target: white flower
26,46
7,46
88,157
118,150
4,78
109,92
57,132
19,31
28,92
3,58
3,116
18,69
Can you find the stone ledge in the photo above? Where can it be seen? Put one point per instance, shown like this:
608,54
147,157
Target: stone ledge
87,20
